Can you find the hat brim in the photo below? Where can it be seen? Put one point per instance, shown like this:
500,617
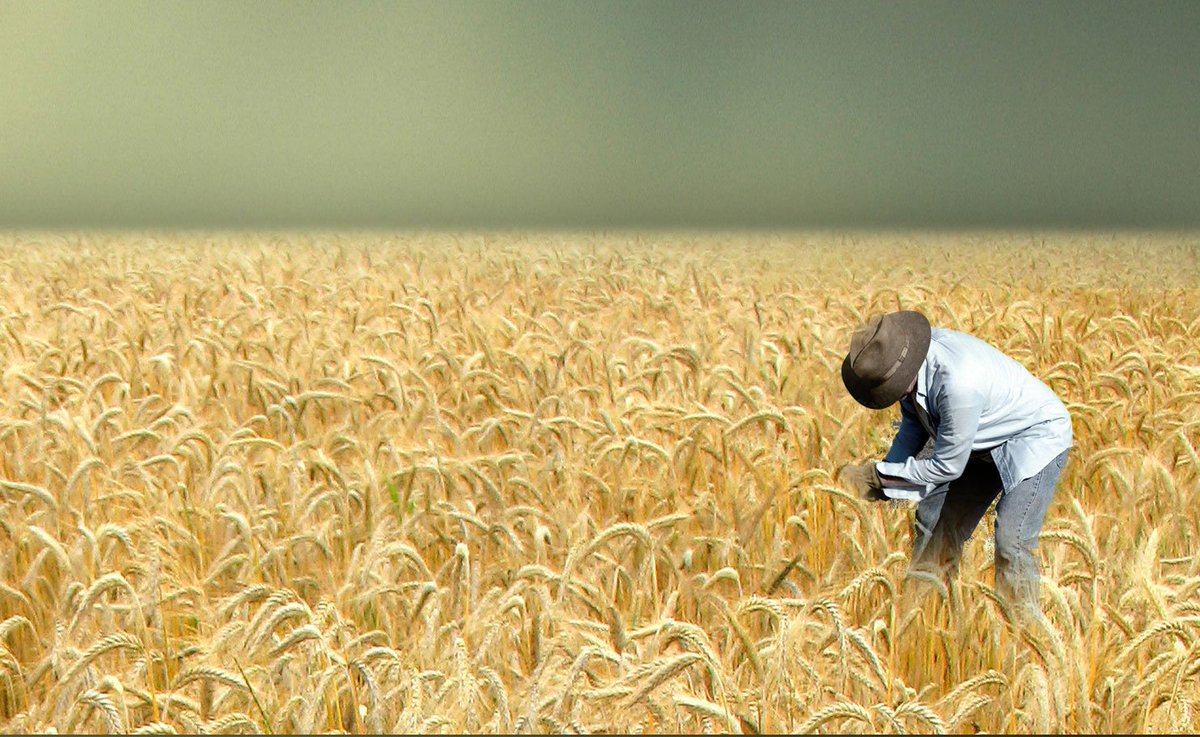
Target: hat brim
887,393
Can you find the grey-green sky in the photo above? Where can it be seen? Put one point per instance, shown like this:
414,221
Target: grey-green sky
599,114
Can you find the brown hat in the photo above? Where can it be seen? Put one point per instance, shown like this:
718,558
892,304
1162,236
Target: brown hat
885,355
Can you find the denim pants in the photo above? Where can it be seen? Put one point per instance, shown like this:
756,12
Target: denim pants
946,518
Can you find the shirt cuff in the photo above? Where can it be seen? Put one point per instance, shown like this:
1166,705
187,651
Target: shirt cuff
907,490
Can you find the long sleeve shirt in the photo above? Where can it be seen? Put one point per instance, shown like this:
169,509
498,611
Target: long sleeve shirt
975,400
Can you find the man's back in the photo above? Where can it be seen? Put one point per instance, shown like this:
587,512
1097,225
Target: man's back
1014,399
1020,419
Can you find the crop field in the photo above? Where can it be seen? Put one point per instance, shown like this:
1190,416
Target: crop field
570,484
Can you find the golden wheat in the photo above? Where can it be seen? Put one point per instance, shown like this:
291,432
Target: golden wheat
343,484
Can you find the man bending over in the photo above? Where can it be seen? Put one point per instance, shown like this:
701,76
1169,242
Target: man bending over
996,429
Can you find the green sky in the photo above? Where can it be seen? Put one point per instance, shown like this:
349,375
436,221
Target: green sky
599,114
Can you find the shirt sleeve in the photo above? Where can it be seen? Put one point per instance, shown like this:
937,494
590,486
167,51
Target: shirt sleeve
910,438
959,410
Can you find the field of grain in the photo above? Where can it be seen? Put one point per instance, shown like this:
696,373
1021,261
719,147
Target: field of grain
571,484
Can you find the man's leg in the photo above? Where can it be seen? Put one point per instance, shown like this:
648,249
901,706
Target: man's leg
1019,518
947,517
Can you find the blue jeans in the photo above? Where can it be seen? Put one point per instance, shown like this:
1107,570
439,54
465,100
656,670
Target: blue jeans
947,517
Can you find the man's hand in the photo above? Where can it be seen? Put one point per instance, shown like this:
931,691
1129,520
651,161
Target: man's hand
863,480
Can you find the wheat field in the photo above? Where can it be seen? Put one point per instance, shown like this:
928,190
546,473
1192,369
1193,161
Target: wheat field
570,483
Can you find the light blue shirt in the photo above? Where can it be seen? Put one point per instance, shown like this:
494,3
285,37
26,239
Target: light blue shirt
977,399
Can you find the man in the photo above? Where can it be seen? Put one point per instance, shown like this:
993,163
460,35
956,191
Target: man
996,430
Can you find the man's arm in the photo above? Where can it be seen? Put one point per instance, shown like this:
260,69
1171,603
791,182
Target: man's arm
911,436
960,409
910,439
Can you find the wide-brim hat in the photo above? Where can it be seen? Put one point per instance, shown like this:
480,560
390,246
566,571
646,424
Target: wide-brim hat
885,356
